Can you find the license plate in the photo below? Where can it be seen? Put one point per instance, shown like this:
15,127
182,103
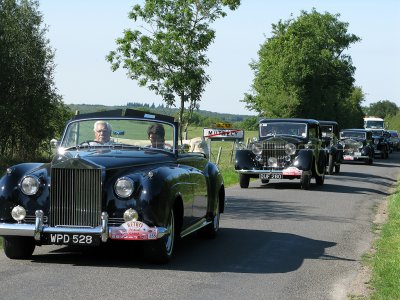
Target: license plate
74,239
270,176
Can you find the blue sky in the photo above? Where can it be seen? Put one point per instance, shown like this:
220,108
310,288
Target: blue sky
83,33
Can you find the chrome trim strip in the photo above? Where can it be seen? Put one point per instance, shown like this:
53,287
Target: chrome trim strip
260,171
200,224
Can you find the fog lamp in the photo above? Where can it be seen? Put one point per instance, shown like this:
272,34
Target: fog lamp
29,185
273,162
18,213
131,215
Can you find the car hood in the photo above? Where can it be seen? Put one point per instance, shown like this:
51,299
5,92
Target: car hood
110,158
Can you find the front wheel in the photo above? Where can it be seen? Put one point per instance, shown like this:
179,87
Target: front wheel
305,180
210,231
160,251
337,168
330,164
244,181
18,247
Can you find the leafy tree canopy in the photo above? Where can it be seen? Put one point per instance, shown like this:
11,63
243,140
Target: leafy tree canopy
303,71
31,112
382,109
167,50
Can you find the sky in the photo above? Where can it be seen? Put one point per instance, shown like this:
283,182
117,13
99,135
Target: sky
82,33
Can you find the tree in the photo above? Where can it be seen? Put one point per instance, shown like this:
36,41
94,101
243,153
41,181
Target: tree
382,109
31,112
302,70
168,56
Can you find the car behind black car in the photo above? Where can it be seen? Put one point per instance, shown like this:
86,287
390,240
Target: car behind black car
357,145
285,149
126,189
334,150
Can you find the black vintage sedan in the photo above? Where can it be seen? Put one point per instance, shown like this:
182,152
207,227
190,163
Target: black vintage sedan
123,188
284,149
330,141
357,145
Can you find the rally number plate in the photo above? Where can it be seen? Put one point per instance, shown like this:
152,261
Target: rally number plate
74,239
270,176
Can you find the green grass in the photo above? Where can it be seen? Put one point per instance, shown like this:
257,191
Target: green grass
385,262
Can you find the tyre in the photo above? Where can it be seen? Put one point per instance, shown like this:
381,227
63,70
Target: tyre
370,161
210,231
244,181
305,180
330,164
18,247
160,251
319,180
337,169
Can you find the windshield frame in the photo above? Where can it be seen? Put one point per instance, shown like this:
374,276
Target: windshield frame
116,118
266,124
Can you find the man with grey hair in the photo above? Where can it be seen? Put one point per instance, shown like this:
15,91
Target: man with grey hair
102,132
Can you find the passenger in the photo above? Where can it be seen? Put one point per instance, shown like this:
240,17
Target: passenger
156,135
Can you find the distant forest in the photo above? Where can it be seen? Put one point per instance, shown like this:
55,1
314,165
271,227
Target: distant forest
200,117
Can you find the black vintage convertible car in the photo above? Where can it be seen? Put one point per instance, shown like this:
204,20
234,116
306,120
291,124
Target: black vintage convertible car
330,141
285,149
93,193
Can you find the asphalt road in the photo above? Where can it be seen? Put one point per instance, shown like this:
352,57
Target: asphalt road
276,242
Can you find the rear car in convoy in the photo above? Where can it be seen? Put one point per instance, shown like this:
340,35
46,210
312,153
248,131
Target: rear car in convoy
284,149
381,143
357,145
95,193
394,139
330,142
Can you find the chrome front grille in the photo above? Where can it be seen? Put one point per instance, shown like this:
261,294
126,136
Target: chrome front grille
75,197
275,150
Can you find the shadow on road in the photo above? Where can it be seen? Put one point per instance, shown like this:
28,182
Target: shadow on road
235,250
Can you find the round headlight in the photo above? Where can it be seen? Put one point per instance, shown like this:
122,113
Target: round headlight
256,148
124,187
30,185
130,215
376,141
290,149
18,213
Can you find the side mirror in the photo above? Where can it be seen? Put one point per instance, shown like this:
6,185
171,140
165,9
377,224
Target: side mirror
54,144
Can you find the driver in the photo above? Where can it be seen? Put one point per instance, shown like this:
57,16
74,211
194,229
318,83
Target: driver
156,135
102,132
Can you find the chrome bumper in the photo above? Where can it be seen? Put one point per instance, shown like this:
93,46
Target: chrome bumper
258,172
36,230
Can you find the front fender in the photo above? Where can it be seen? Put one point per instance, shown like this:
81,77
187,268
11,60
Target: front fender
304,159
11,196
215,183
245,160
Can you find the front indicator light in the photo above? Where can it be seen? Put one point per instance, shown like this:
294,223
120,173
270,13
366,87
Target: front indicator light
18,213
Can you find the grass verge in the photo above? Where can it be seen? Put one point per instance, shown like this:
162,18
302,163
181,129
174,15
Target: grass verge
385,262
